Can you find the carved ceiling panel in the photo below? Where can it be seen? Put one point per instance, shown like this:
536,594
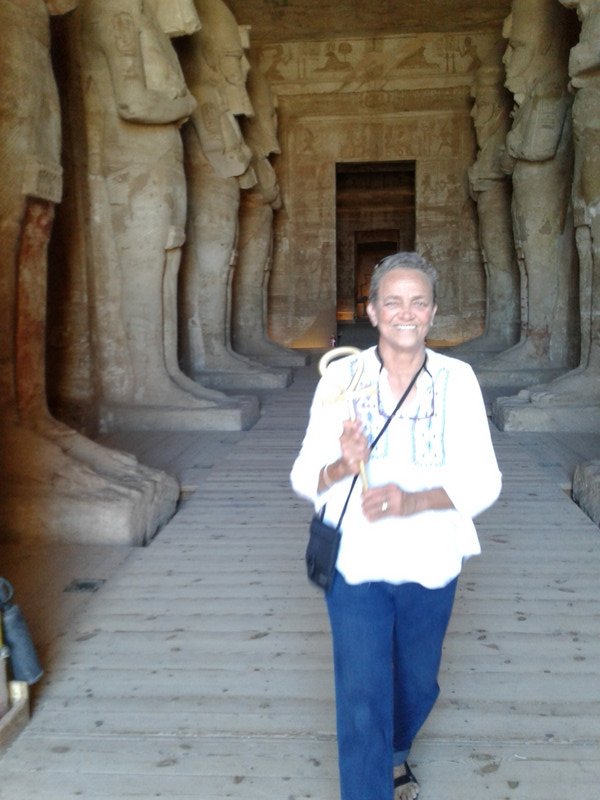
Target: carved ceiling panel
290,20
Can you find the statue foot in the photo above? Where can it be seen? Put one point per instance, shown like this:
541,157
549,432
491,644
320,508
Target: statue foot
99,458
579,387
170,393
196,389
272,354
48,492
524,355
482,347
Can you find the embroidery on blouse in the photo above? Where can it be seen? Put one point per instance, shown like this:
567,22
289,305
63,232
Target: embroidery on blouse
425,416
428,431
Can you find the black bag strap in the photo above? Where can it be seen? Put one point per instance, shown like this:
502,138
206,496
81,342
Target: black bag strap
399,403
377,438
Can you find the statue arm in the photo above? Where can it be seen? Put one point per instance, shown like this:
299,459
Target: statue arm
220,136
538,132
120,42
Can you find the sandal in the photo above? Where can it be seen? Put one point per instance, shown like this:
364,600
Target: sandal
408,777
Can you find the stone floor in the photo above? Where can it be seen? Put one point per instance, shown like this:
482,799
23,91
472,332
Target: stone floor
199,667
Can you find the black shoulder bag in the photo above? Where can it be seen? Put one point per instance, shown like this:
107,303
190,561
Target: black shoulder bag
324,540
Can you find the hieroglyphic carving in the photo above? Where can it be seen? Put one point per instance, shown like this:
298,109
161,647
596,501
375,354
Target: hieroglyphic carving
301,106
385,63
443,156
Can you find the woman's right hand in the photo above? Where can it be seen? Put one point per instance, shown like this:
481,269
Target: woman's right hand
355,452
354,447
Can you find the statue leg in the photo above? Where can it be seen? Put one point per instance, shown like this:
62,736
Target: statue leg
503,307
56,482
544,231
251,286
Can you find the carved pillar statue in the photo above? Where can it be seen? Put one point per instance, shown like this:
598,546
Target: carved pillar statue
572,401
540,155
581,386
255,245
491,190
135,100
217,163
54,482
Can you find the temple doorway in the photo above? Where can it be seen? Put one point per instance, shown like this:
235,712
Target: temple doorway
375,216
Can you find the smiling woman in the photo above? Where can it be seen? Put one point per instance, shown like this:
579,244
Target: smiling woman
420,432
402,307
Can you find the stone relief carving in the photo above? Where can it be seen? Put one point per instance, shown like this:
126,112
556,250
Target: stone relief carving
275,59
540,157
490,189
316,144
218,164
258,204
54,480
385,63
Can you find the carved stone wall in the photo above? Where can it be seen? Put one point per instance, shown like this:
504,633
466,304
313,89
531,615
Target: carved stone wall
391,99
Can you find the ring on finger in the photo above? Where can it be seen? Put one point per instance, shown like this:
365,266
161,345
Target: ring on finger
384,506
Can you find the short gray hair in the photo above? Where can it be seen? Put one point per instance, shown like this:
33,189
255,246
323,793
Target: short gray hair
402,260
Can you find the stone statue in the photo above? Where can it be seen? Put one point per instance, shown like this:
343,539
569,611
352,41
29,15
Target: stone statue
251,280
135,100
491,190
54,482
581,386
572,401
540,156
218,164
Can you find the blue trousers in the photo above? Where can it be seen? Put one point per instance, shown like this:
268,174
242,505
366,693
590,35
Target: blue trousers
387,648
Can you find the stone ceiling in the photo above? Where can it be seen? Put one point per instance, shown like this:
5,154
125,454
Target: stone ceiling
290,20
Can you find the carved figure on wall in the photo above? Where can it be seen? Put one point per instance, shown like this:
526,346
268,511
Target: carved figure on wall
135,100
540,156
469,52
218,165
279,57
55,482
333,63
490,189
255,246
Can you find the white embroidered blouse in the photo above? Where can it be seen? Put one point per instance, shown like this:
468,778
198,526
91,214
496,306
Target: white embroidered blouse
441,438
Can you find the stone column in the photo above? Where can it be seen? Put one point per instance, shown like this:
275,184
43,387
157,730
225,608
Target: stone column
491,190
54,483
255,246
539,146
217,163
135,100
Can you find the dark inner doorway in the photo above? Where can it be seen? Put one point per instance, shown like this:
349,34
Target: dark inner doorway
375,216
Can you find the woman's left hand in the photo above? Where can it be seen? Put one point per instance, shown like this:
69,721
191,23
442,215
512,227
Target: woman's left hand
385,501
391,501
